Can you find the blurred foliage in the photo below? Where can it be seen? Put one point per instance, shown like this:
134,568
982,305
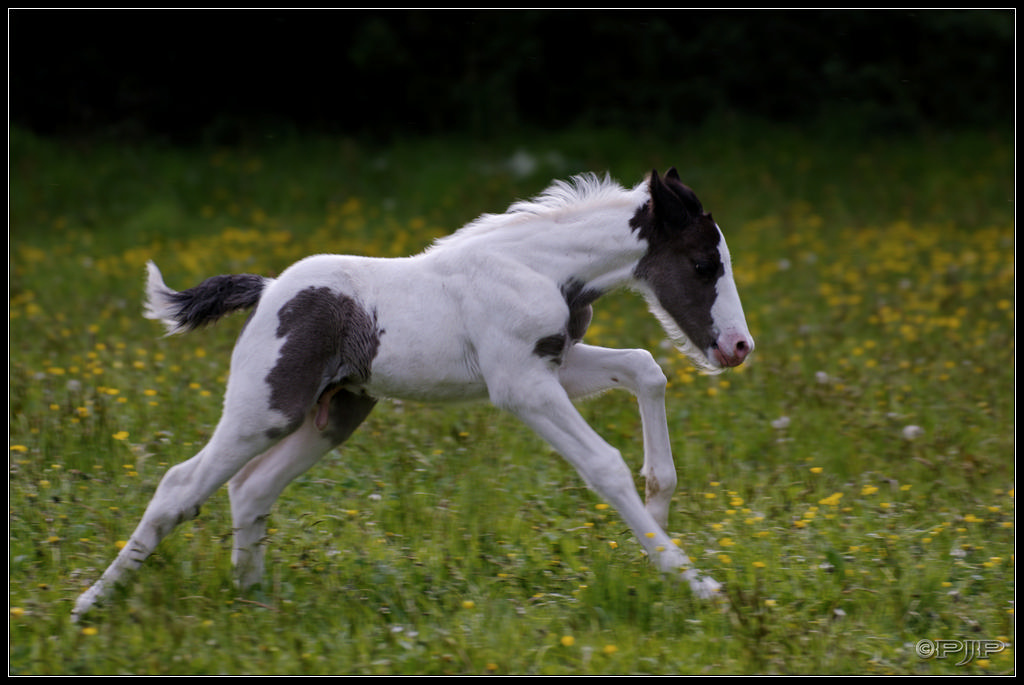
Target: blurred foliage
221,75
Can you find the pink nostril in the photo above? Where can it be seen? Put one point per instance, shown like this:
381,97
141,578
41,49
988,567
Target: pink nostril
734,350
742,350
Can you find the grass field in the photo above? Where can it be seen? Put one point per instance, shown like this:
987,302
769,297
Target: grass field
853,484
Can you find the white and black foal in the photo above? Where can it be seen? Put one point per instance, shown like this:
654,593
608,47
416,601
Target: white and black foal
497,310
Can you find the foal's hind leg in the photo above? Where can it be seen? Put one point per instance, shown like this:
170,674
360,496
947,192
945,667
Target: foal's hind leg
183,489
258,485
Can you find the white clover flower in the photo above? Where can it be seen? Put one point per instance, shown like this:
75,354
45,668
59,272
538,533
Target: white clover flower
912,432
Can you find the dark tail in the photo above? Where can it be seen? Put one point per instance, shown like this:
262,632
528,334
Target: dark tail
196,307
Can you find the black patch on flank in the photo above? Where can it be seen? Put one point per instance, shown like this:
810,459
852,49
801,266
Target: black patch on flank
683,262
214,298
329,341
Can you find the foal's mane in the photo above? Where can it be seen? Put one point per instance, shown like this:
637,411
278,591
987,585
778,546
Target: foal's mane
580,192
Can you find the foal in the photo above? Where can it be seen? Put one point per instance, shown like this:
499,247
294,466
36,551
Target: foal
497,310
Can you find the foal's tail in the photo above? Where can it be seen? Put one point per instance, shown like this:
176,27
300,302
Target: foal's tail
190,309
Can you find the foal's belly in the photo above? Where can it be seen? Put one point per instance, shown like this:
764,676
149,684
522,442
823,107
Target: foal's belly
424,358
424,376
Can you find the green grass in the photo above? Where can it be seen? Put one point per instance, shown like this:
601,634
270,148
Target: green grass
878,280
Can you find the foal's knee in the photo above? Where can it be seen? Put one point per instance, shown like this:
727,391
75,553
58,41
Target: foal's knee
650,378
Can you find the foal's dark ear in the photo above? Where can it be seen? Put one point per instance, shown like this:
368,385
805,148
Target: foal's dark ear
673,203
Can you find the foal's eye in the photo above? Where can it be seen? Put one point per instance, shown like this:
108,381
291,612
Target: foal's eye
704,270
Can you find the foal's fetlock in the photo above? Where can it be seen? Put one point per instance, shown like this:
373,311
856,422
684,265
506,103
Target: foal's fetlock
86,601
703,586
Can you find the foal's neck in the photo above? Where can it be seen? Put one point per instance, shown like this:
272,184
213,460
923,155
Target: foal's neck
596,246
591,243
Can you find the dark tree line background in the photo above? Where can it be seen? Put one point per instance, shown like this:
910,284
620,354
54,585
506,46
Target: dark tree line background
218,76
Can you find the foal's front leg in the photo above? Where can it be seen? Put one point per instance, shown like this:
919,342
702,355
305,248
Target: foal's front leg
541,402
588,370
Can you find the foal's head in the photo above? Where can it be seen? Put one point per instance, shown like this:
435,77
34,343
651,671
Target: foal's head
686,276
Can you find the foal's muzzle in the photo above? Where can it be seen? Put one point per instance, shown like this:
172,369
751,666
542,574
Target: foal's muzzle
732,349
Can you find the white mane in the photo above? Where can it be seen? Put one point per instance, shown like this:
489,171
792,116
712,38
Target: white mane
579,193
580,189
